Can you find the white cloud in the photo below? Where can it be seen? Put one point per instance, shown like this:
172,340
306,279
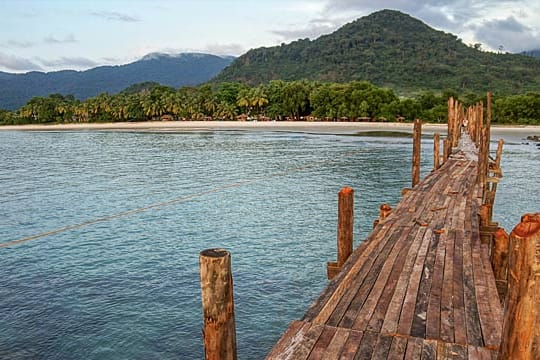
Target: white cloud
17,64
115,16
69,63
509,33
224,49
66,40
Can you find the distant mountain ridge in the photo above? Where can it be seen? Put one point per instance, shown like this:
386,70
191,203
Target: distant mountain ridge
166,69
533,53
390,49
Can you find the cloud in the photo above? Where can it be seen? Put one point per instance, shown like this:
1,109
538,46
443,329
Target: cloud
509,33
224,49
15,63
115,16
67,40
69,63
442,14
313,29
19,44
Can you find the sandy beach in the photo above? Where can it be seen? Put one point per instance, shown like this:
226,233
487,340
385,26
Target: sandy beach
289,126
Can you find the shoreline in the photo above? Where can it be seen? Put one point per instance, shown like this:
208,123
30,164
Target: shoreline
292,126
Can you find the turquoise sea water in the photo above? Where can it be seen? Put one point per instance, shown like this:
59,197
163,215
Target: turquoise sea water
128,287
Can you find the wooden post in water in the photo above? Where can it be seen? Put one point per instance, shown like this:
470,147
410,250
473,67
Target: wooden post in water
488,118
447,149
449,128
417,137
482,159
344,230
219,332
499,261
436,150
521,330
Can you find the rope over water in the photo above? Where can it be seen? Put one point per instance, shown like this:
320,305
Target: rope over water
165,203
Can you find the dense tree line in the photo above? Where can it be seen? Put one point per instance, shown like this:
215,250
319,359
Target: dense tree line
278,100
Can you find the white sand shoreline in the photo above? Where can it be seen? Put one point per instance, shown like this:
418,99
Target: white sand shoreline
290,126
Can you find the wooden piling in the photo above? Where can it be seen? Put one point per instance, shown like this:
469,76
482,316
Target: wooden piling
449,128
344,230
482,159
436,151
219,333
521,333
499,261
488,117
447,149
416,152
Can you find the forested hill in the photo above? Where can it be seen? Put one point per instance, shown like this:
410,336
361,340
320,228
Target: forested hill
391,49
172,70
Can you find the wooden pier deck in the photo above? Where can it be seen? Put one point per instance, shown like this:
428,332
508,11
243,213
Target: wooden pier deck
421,286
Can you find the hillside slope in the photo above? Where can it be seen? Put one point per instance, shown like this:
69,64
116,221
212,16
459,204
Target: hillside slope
393,49
171,70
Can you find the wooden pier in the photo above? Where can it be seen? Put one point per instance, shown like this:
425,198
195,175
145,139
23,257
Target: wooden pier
421,285
436,278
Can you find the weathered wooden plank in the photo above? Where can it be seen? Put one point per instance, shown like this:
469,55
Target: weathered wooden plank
407,312
369,340
460,326
346,312
394,309
433,312
380,284
337,344
474,332
323,307
422,299
414,349
287,339
447,300
429,350
322,343
490,331
303,344
459,351
351,346
398,348
380,352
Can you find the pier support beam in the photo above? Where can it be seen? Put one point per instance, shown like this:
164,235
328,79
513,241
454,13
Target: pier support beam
436,151
219,331
521,333
499,261
344,230
417,137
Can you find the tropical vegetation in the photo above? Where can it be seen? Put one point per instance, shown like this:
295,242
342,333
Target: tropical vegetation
390,49
277,100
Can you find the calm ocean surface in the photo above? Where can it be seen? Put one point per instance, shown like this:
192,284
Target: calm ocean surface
128,287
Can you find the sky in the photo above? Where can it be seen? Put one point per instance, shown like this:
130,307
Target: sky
50,35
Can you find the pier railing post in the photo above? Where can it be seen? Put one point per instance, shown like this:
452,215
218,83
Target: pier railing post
344,230
499,261
436,151
417,137
447,149
219,331
521,333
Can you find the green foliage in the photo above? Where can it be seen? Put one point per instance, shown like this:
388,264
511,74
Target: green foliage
518,109
278,99
390,49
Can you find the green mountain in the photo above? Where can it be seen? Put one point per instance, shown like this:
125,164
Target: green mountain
171,70
390,49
